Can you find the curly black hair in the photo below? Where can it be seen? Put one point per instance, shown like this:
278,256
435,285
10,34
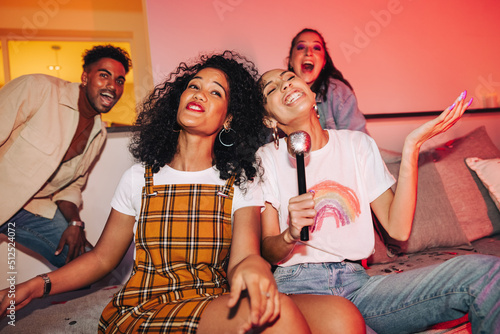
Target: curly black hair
106,51
155,140
320,85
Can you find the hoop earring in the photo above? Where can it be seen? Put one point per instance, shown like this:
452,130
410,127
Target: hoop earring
226,131
276,138
315,107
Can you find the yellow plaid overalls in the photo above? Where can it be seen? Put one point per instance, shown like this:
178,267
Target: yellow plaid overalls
182,246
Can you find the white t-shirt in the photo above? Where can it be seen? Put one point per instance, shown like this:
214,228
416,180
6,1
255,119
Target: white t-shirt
127,198
347,174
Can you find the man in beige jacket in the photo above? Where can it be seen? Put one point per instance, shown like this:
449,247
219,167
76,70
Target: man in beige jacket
50,134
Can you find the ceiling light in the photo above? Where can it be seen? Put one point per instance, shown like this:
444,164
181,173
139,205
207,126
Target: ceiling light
55,67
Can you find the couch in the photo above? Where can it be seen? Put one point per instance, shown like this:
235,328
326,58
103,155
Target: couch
457,213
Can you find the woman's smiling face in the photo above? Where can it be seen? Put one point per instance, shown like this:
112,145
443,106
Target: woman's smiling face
286,96
308,57
203,104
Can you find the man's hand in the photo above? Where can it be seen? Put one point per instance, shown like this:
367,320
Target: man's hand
74,237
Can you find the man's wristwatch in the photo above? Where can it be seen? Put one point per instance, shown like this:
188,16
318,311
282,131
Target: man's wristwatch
78,223
47,285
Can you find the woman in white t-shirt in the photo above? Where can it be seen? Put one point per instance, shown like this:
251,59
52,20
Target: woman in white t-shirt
192,207
346,180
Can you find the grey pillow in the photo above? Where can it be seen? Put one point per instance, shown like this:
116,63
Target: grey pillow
435,223
475,211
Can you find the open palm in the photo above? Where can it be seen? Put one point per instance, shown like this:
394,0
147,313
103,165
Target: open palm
441,123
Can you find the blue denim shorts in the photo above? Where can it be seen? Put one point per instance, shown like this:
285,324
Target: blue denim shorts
409,301
335,278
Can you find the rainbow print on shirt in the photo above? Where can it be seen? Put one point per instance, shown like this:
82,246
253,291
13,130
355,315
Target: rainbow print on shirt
334,200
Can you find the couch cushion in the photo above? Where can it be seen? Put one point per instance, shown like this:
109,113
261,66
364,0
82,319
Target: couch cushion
435,223
488,171
475,210
453,205
383,252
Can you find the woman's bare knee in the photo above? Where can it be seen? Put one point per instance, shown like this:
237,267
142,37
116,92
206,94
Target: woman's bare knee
291,319
218,318
330,314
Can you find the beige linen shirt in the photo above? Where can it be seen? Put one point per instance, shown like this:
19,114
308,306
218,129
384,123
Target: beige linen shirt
38,119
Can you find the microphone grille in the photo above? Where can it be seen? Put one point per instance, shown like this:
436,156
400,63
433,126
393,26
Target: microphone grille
299,142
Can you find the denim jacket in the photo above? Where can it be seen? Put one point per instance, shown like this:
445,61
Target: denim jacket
340,110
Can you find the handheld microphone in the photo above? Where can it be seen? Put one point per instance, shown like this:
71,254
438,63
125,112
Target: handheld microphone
299,144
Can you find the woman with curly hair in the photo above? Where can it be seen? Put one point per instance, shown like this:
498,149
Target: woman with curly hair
337,107
197,135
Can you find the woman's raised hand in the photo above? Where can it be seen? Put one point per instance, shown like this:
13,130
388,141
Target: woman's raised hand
441,123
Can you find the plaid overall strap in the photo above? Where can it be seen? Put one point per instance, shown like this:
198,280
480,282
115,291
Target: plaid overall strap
148,180
227,187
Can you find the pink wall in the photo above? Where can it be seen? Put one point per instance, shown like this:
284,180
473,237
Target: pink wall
400,55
